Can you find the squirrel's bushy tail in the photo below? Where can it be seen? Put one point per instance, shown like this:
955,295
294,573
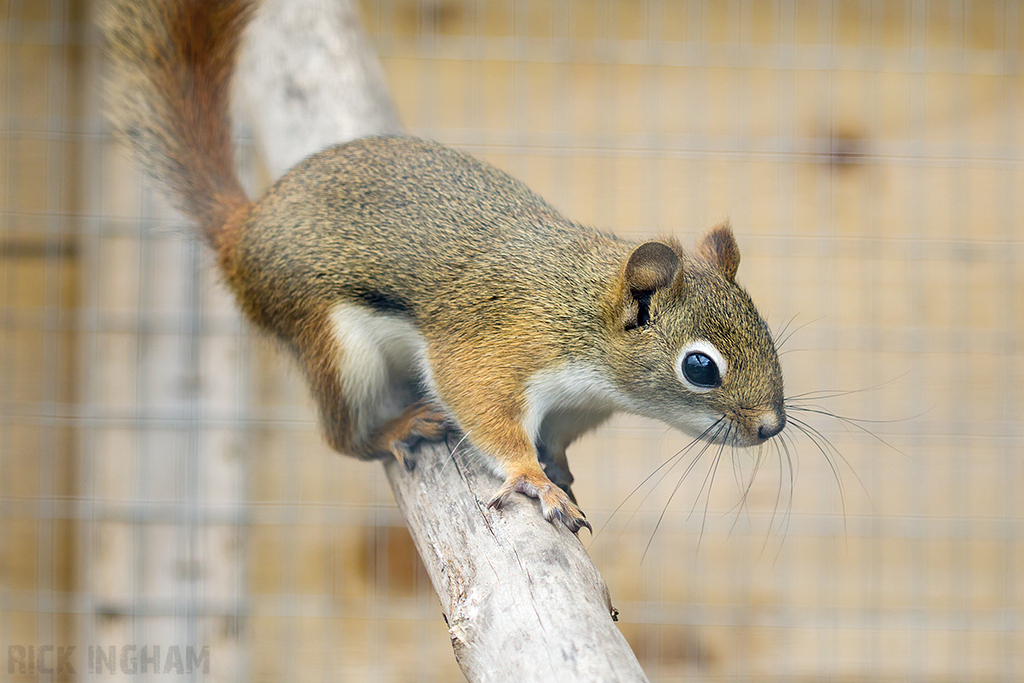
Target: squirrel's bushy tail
172,62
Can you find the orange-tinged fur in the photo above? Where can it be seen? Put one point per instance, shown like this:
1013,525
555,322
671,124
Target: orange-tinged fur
421,289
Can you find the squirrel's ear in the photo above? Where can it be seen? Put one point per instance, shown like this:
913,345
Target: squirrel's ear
718,247
651,266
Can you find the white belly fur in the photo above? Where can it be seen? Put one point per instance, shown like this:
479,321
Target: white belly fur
564,403
382,365
383,368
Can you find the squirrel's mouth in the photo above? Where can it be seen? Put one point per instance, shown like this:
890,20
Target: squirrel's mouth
745,430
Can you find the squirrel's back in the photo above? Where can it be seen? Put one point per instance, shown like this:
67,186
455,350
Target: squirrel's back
411,215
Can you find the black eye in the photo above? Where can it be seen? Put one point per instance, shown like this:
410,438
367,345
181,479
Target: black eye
701,370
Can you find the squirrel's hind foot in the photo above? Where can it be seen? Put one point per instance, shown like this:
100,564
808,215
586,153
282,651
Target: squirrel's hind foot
422,421
554,502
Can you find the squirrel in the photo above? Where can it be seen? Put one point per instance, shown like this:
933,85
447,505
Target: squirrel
422,290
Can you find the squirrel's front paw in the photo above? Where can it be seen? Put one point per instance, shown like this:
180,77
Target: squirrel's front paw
554,502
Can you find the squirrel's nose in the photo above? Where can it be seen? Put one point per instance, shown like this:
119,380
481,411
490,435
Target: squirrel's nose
771,424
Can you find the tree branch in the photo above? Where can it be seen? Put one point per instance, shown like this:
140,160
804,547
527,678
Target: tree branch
522,598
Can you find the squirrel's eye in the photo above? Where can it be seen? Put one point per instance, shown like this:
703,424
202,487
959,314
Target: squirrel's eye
700,366
701,370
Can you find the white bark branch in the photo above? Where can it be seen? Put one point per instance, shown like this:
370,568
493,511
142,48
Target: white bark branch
311,80
522,598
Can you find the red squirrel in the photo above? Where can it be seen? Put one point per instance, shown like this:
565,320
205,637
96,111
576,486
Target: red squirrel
422,290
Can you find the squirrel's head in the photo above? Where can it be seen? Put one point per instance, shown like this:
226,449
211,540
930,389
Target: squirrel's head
691,348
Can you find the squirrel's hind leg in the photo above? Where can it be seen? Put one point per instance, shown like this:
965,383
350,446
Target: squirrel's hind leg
365,377
420,422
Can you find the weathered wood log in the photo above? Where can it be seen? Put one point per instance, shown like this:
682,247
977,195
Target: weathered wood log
522,598
311,80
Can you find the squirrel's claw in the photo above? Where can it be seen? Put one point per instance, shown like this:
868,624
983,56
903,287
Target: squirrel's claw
403,454
554,502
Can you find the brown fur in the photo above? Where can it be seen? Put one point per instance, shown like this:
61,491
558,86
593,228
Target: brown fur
500,315
170,93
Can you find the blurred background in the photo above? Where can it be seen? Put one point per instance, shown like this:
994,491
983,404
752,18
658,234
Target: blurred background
163,483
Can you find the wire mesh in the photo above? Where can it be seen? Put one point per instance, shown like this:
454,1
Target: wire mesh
162,483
